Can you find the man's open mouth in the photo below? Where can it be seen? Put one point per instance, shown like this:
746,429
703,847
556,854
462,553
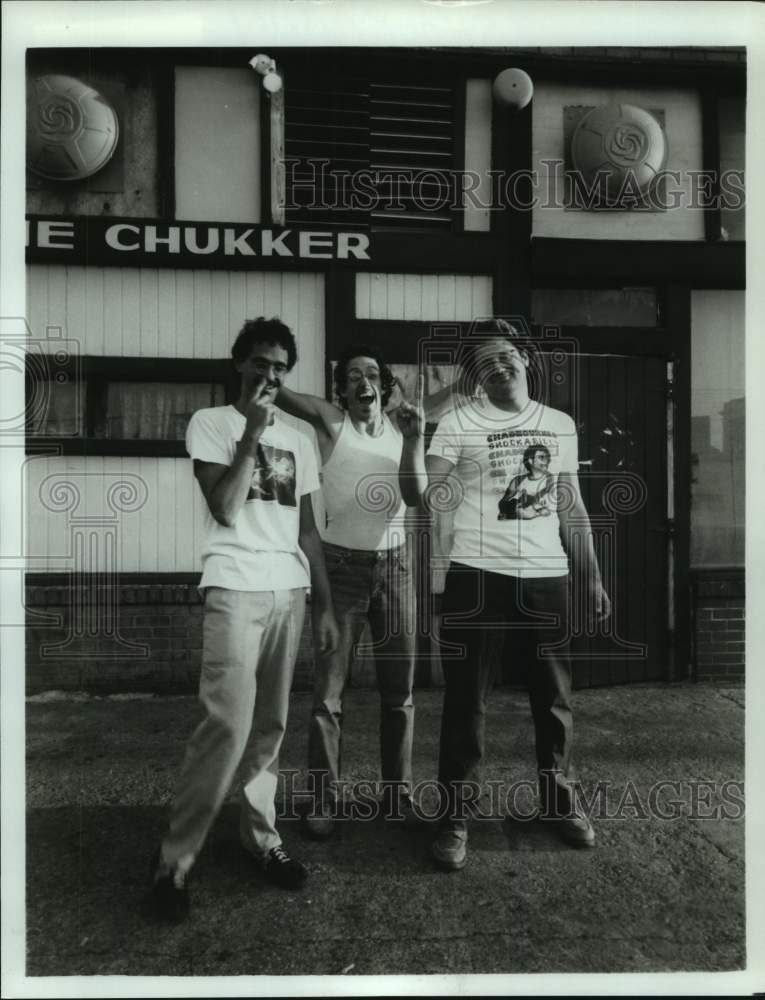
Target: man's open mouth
366,397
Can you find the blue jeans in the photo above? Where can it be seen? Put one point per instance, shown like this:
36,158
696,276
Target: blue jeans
490,615
373,587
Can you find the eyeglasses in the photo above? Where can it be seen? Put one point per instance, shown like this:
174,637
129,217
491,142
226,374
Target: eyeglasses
261,366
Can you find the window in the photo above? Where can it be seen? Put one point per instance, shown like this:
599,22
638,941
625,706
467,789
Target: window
369,151
594,307
718,441
124,406
732,123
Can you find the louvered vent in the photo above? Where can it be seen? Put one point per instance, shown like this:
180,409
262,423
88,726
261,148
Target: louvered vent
393,142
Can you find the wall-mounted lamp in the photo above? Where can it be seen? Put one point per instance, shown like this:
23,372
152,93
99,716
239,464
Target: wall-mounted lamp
513,89
273,84
266,67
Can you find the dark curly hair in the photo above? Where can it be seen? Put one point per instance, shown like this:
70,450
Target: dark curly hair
480,333
387,379
531,451
264,331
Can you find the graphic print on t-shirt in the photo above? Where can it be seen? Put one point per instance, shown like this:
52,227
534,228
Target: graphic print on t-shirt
529,494
273,477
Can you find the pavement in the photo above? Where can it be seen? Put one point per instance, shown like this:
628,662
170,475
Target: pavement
662,891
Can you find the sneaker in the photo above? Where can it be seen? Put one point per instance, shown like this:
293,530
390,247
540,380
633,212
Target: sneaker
575,830
318,825
449,849
170,894
282,870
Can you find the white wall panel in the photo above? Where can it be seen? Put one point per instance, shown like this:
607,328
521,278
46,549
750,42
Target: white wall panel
144,312
217,144
682,126
426,297
163,535
156,313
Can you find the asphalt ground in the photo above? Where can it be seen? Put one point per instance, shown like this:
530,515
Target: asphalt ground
662,891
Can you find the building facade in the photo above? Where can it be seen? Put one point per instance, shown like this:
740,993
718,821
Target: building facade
392,197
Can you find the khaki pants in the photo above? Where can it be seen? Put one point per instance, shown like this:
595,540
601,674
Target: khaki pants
249,649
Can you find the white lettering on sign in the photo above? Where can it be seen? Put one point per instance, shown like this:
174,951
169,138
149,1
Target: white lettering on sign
173,239
268,244
237,244
310,244
57,235
211,240
192,245
114,233
352,244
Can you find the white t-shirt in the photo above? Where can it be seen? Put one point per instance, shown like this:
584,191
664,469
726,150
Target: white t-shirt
260,551
505,516
361,489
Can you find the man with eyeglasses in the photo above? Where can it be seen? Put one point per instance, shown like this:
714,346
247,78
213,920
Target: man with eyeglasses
509,464
262,551
370,576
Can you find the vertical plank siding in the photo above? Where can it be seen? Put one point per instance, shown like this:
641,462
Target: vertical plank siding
425,297
150,313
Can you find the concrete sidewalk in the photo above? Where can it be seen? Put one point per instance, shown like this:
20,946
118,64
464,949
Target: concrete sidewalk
655,894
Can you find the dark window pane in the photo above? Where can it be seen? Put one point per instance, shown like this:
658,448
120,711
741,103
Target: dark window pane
732,117
594,306
717,429
154,410
55,408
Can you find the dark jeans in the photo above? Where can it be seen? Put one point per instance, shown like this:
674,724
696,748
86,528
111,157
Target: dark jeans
492,615
373,587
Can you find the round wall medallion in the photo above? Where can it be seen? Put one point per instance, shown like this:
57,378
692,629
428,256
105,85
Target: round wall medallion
625,143
72,131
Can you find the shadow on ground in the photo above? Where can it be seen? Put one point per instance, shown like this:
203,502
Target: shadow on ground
656,894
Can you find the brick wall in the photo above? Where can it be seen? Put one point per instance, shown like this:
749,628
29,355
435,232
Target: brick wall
719,628
129,637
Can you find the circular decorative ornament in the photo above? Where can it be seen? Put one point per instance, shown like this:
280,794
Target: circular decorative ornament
513,88
72,130
622,141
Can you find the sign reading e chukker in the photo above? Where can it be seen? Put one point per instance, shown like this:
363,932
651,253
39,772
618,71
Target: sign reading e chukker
156,243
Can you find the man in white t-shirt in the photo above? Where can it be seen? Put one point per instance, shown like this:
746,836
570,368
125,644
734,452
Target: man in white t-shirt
370,575
262,552
509,465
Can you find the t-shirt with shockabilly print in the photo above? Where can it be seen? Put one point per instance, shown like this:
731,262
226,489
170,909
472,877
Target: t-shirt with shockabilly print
260,551
506,469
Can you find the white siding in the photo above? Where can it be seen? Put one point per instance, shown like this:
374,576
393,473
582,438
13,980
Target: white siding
159,313
682,125
163,535
169,313
428,297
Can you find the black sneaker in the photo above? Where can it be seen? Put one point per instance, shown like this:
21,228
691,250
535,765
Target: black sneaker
169,892
282,870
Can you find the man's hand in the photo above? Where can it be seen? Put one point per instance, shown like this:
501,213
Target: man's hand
599,603
260,409
325,631
411,418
